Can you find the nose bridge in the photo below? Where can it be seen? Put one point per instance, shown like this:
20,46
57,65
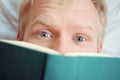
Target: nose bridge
63,44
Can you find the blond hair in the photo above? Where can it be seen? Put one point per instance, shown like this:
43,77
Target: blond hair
27,4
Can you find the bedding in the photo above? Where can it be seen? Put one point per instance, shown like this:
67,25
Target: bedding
9,18
112,35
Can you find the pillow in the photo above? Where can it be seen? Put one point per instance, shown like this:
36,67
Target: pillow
112,35
9,18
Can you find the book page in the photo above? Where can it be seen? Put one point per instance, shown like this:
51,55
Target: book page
50,51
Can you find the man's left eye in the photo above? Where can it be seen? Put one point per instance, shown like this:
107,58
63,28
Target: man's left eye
80,38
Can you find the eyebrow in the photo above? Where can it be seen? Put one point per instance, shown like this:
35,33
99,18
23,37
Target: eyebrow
47,22
44,21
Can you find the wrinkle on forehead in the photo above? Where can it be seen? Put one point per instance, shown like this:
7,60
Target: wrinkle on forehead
63,4
58,2
41,6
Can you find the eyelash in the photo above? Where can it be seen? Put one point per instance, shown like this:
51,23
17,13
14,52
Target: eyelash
75,37
81,35
39,34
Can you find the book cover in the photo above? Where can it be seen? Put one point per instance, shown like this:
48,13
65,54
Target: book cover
25,61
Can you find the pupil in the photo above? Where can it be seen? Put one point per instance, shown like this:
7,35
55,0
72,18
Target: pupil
44,34
80,38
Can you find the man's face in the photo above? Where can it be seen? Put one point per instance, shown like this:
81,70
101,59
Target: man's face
64,27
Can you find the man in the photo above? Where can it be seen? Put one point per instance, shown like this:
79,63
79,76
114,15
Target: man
63,25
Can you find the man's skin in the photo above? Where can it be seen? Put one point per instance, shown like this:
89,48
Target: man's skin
64,27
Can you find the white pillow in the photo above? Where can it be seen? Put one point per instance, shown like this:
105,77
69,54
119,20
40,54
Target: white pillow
112,36
9,18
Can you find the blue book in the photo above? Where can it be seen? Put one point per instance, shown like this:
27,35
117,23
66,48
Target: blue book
26,61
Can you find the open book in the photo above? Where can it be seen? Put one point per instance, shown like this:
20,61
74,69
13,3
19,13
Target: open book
26,61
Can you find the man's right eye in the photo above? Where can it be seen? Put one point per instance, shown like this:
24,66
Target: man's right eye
44,35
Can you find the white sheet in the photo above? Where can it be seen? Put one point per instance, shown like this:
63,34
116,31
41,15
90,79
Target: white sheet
112,36
9,18
9,23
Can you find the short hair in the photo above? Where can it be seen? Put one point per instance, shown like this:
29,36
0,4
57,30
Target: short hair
27,4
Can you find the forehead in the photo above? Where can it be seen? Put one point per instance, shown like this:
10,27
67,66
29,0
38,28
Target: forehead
78,7
63,5
72,12
60,2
